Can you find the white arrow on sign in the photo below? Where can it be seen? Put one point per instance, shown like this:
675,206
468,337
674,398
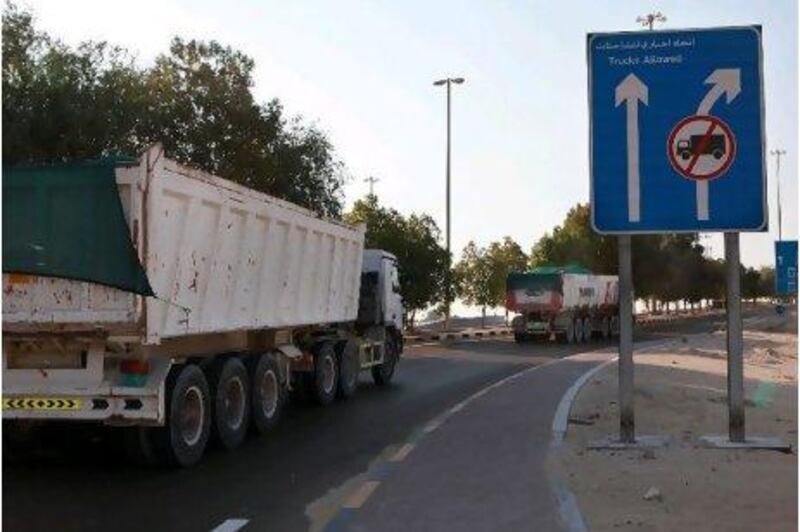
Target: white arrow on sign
727,81
631,90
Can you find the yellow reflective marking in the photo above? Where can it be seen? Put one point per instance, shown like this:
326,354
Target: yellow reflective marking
41,403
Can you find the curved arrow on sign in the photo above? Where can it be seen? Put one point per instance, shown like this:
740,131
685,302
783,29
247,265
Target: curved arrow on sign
724,81
631,90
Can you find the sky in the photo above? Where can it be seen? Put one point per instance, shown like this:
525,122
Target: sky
362,71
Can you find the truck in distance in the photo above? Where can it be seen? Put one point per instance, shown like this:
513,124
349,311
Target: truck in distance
231,300
568,303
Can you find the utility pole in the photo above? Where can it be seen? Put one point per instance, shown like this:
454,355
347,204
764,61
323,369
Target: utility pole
650,19
448,283
371,180
778,153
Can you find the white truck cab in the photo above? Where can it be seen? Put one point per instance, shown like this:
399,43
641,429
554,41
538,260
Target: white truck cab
380,267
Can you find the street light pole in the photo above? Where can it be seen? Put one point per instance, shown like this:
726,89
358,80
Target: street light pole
448,287
778,153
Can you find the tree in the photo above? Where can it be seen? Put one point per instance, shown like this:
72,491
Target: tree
481,273
574,241
62,103
414,240
473,277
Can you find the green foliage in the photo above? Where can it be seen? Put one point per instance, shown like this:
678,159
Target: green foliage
480,275
414,240
62,103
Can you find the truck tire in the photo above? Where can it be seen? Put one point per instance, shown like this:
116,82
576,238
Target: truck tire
349,368
569,333
577,327
325,377
587,330
266,393
182,440
230,386
383,373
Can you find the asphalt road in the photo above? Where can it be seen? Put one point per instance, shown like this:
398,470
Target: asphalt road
78,479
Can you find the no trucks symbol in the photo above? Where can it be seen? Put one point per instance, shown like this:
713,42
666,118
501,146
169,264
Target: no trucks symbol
701,147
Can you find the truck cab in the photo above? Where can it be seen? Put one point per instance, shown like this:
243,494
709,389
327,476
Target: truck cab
381,303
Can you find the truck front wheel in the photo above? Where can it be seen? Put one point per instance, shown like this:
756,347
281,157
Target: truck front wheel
383,373
231,402
349,367
183,438
326,373
266,393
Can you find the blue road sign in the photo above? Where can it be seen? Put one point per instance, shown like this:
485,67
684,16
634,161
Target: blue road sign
786,267
677,131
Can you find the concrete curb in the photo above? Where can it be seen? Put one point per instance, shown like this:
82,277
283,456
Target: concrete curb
451,336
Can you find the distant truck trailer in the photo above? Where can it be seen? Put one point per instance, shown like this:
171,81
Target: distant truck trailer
567,303
182,306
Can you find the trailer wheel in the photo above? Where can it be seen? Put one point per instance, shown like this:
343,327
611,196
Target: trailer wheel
266,393
382,374
587,330
605,330
182,440
349,368
230,384
326,373
570,332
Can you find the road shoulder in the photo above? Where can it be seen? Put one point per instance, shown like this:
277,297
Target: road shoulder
680,392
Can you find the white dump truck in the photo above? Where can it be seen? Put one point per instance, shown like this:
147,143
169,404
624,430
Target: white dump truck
150,295
568,303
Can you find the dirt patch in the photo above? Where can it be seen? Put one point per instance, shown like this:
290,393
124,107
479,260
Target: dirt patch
681,392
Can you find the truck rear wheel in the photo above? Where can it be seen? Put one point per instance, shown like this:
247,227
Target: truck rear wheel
266,393
326,373
569,332
349,368
587,330
182,440
231,402
383,373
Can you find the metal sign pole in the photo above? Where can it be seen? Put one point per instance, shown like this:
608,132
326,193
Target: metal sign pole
735,362
627,434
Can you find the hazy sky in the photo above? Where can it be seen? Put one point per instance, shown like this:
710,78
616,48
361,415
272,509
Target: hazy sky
363,72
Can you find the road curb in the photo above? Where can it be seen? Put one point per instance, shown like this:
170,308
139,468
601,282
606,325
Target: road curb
451,336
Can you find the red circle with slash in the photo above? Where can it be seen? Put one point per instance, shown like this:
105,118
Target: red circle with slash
701,148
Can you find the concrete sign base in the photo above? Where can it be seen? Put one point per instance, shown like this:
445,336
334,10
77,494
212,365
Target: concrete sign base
723,442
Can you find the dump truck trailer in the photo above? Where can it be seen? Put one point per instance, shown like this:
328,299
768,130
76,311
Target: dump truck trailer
182,306
567,303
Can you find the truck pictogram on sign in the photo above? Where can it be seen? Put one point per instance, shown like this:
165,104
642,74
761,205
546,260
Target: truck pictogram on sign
701,147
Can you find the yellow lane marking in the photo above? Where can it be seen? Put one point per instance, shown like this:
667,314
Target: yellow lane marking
400,455
41,403
360,496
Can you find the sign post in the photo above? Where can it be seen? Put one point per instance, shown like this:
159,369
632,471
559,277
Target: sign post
734,338
627,433
677,146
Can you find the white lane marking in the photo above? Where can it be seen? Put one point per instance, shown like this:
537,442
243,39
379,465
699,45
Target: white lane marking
231,525
359,497
401,454
432,425
458,407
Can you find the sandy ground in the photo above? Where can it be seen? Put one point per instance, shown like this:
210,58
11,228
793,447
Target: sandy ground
681,392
